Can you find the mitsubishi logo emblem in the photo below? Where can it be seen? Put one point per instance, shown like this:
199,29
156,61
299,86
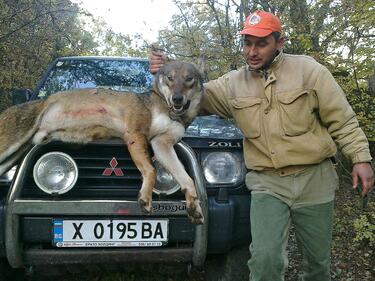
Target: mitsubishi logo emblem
108,171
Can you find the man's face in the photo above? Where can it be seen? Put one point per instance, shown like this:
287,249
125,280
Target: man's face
259,51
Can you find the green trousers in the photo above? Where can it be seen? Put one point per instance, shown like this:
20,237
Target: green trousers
272,213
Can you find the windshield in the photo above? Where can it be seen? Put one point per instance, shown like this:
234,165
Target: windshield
119,75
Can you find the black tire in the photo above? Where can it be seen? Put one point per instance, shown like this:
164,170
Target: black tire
228,267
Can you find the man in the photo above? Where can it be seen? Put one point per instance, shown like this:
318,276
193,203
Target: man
291,112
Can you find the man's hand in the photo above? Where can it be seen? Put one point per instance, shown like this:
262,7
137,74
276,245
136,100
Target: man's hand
364,173
157,60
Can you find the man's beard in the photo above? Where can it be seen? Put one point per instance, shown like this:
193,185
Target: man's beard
268,63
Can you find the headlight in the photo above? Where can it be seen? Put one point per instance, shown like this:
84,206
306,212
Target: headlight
165,182
222,168
55,173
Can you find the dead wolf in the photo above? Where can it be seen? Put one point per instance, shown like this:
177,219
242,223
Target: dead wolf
80,116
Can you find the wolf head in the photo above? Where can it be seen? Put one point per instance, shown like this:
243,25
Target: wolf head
180,83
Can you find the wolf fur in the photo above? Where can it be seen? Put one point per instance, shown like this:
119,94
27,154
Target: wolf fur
80,116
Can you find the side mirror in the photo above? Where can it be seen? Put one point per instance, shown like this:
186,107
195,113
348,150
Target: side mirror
21,96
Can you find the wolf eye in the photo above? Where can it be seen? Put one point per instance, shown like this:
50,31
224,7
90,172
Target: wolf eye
189,79
170,78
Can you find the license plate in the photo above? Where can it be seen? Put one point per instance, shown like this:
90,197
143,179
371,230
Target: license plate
110,233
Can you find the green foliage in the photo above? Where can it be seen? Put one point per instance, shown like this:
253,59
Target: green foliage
364,105
32,34
365,230
5,99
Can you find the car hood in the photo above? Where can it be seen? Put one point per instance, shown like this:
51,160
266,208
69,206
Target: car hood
213,127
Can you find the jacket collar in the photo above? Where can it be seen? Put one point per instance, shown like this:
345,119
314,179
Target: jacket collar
276,62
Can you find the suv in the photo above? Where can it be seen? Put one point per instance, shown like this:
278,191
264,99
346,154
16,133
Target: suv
98,220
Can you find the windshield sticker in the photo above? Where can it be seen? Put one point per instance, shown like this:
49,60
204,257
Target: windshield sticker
42,94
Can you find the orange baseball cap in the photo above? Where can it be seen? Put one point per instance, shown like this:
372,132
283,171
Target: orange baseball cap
261,24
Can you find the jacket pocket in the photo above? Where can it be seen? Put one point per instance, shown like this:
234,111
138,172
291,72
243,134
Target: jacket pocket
246,113
296,112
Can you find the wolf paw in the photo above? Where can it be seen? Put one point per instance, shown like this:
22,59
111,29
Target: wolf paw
195,212
145,204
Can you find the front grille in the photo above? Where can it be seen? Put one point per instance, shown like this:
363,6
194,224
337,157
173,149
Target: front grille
92,159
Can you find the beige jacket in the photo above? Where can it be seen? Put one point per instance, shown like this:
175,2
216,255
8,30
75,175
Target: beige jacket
291,116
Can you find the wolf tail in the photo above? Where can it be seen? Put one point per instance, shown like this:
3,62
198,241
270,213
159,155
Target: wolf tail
18,124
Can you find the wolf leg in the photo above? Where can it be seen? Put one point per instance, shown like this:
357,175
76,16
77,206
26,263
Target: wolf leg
138,149
166,155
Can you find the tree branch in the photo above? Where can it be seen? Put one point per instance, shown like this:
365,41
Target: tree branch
36,18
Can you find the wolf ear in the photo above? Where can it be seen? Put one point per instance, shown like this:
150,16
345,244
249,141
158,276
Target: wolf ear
201,66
